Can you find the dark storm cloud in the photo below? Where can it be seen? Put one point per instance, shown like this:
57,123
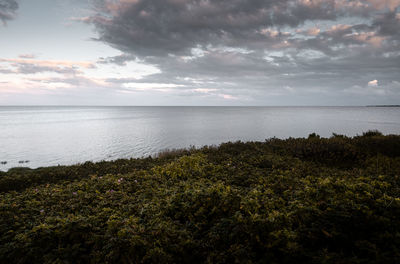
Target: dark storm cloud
161,27
257,48
7,10
388,24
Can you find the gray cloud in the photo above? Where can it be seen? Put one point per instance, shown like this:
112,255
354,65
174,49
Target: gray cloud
27,68
119,60
162,27
388,25
158,27
27,56
258,49
7,10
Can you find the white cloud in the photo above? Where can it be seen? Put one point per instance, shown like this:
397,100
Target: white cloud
150,86
228,97
204,90
373,83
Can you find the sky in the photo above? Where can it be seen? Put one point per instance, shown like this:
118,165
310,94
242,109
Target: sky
200,52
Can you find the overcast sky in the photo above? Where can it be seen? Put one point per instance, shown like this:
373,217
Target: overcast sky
199,52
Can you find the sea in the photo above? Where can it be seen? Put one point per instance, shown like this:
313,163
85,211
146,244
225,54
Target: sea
37,136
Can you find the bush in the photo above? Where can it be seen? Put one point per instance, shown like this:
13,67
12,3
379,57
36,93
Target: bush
312,200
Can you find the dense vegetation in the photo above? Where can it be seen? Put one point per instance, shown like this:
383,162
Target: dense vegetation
314,200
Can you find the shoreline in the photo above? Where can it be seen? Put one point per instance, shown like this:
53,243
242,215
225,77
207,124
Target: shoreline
161,152
5,162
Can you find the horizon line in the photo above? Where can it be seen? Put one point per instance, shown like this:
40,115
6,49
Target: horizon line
67,105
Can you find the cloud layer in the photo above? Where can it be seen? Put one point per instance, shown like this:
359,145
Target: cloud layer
162,27
257,49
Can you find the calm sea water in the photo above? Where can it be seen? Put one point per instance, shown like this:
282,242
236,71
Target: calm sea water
47,136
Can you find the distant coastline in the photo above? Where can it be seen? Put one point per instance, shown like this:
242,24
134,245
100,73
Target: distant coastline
383,105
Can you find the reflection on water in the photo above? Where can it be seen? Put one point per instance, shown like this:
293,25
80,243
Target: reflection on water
44,136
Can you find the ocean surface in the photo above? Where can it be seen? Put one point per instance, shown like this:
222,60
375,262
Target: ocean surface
46,136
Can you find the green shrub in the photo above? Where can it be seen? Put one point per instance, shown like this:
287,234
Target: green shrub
314,200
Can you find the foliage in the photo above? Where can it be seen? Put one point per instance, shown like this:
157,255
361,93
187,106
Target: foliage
314,200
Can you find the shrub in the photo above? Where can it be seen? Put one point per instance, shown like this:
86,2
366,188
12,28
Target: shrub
312,200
